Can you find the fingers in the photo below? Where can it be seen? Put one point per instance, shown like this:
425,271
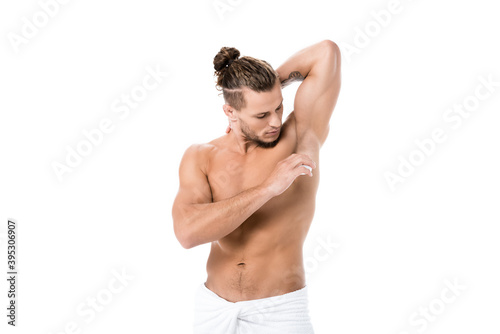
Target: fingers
308,170
298,159
228,129
287,170
302,164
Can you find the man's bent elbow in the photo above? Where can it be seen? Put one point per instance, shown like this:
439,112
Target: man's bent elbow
182,235
186,244
185,241
332,54
331,47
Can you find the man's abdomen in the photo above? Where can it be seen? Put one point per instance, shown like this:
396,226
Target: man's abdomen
255,277
260,259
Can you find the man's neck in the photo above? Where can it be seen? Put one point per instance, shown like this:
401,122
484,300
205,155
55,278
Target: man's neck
240,143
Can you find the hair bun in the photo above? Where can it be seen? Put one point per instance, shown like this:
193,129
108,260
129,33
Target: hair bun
225,58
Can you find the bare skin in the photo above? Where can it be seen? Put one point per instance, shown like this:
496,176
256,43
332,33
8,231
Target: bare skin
253,203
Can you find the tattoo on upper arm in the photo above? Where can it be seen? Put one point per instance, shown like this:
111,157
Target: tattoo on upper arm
294,76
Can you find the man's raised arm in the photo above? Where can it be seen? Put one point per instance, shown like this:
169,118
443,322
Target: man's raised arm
318,66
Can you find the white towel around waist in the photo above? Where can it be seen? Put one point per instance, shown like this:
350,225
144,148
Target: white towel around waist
287,313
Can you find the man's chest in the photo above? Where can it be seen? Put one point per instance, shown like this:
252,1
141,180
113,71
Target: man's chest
230,174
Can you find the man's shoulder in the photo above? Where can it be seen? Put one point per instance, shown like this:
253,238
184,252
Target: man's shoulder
199,153
199,148
207,147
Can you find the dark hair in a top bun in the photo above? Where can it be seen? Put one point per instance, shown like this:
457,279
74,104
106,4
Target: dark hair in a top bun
233,73
225,57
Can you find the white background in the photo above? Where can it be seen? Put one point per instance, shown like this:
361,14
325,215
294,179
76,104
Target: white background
113,211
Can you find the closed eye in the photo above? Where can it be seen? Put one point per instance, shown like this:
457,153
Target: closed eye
281,106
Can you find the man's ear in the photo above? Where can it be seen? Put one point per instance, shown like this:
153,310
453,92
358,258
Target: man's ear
229,111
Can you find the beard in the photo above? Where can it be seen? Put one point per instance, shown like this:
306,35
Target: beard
250,136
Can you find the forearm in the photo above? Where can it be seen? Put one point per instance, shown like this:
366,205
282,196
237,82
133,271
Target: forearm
213,221
298,66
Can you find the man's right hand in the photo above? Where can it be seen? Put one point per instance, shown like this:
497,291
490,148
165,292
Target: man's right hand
286,171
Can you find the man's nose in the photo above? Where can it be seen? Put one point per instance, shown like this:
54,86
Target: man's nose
275,121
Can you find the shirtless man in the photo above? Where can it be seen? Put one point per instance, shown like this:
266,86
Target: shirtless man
251,193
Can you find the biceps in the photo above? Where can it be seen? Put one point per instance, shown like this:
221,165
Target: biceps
185,203
193,188
317,96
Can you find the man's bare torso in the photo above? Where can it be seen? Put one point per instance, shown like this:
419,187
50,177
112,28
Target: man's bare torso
263,256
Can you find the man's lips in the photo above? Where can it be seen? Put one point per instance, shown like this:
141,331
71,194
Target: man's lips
273,132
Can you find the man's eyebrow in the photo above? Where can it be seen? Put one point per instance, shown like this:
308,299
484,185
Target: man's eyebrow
276,108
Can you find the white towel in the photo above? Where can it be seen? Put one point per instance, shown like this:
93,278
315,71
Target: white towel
287,313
